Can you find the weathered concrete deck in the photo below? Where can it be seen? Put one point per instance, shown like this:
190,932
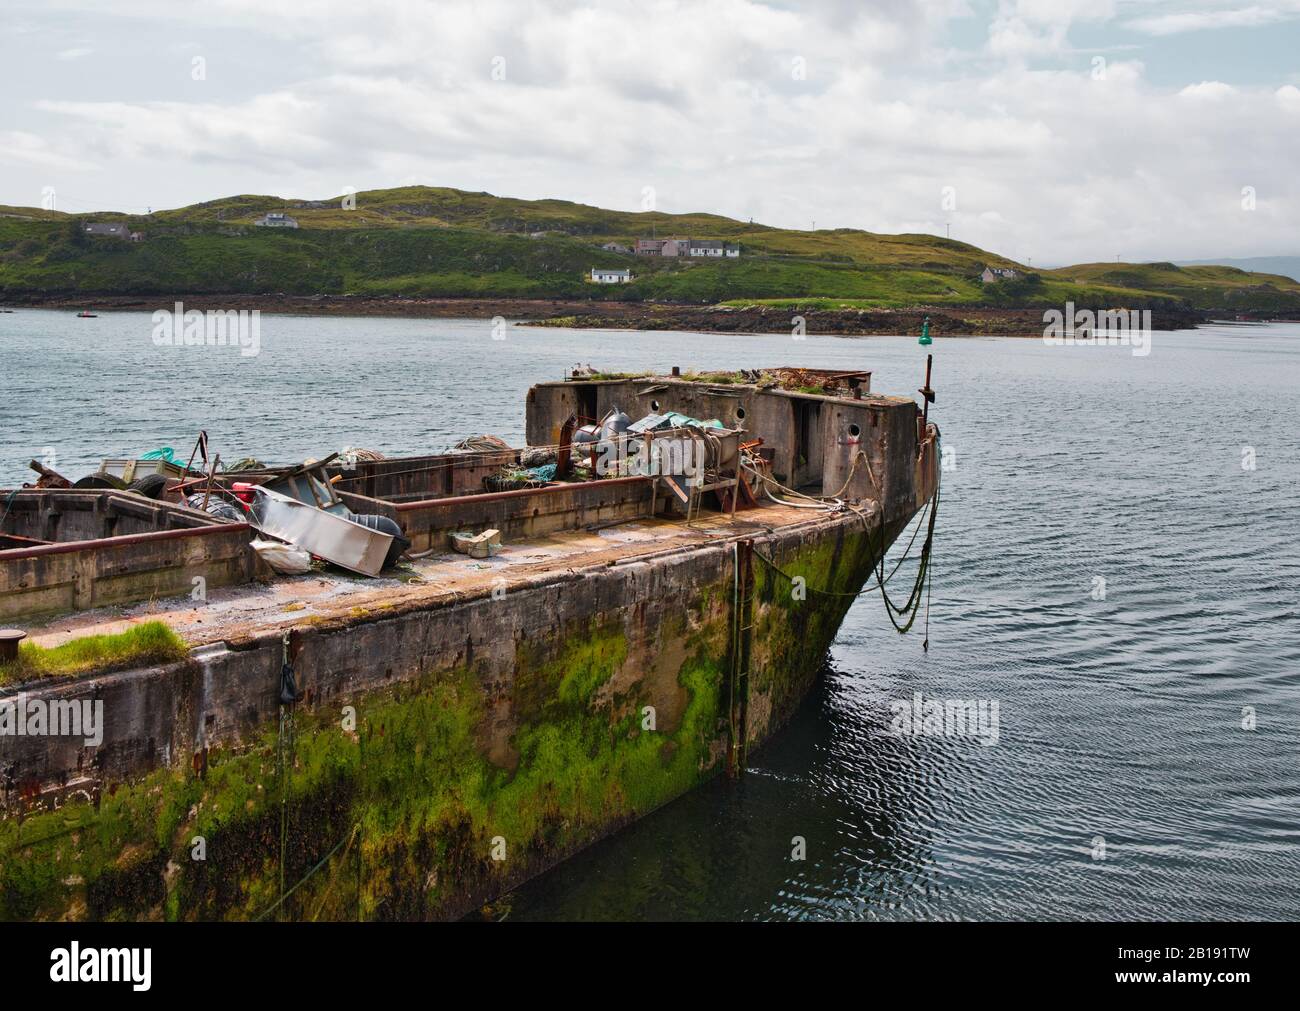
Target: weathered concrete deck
238,613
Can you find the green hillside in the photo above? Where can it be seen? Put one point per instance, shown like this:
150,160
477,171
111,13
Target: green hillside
1206,287
439,242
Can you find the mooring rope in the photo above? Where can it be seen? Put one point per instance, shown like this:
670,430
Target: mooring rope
306,877
8,502
325,895
286,717
911,607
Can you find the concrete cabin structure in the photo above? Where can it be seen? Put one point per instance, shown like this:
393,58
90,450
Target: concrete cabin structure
813,438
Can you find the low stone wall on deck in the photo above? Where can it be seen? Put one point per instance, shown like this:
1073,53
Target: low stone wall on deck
528,512
113,548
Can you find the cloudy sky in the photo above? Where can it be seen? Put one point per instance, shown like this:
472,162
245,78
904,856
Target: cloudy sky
1055,131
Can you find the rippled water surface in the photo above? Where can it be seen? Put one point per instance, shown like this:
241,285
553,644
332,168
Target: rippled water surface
1120,718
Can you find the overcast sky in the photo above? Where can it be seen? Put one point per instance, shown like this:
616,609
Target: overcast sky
1053,130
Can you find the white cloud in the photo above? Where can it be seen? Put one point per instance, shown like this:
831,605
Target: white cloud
1208,89
1039,28
709,105
1288,97
17,147
1210,19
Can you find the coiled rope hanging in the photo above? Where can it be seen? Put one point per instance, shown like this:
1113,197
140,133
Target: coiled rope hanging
903,616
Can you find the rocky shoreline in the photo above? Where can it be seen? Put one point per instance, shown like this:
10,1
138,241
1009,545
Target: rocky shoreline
586,314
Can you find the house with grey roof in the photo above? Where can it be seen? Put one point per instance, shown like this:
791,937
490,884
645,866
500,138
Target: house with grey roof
116,229
705,247
276,219
685,247
712,247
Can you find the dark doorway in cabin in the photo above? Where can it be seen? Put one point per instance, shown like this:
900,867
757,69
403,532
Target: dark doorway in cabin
587,403
808,450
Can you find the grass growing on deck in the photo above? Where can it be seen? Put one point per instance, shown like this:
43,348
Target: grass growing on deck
149,642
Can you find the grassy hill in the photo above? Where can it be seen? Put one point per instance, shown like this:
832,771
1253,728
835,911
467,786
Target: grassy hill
1216,288
439,242
1287,266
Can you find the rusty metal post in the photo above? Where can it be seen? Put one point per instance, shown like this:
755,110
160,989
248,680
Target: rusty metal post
927,394
565,448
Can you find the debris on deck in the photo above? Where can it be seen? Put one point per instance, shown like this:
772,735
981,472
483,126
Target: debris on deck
139,527
483,545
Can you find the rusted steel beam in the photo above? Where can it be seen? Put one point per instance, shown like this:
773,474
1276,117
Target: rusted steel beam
49,478
497,496
565,447
8,541
117,542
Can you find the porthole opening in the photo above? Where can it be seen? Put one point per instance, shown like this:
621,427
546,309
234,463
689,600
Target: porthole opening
854,431
740,414
654,406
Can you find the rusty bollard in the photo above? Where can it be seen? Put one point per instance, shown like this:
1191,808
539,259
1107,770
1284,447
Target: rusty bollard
9,640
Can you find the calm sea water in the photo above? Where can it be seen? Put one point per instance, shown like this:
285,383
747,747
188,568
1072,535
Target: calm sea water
1120,718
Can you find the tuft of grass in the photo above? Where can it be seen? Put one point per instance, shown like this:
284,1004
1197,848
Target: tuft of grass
600,376
149,642
713,378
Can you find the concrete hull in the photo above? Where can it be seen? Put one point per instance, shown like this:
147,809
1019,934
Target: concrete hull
441,755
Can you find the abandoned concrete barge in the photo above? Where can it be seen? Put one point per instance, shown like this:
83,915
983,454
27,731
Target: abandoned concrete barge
632,616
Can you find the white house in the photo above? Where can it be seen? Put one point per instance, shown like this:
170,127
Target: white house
276,219
705,247
731,249
603,275
992,274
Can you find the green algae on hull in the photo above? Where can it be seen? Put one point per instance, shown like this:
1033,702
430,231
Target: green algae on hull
411,779
418,801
